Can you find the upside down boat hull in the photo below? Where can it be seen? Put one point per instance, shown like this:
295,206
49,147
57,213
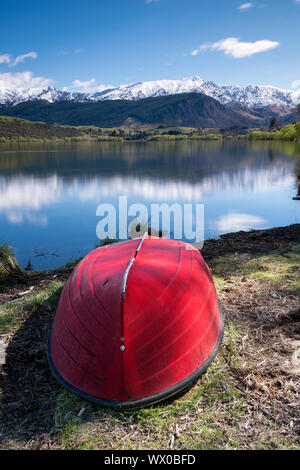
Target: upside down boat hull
137,322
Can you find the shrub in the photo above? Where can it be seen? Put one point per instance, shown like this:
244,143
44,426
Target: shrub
109,138
260,135
288,132
161,137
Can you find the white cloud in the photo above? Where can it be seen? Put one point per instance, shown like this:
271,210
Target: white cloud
234,222
20,58
19,218
237,48
15,217
88,86
75,51
85,86
5,59
246,6
296,83
21,193
22,80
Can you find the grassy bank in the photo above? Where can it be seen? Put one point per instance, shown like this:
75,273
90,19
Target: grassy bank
9,266
291,132
171,137
246,400
15,130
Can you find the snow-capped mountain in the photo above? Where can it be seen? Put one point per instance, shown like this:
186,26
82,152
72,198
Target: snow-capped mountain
253,96
141,90
50,94
261,96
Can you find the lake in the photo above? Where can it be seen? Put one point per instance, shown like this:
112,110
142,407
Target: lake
49,193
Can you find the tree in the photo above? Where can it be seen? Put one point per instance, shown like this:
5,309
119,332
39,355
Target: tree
298,111
273,124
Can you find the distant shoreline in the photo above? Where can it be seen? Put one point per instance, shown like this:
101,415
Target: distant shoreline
156,138
15,130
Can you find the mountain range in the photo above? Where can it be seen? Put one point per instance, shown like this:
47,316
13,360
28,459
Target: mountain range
187,102
253,96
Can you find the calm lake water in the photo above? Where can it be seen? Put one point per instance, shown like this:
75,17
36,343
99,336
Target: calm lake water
49,192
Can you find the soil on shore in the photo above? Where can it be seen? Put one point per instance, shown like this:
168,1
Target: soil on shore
248,398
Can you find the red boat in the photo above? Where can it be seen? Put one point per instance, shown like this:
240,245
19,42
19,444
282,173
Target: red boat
137,322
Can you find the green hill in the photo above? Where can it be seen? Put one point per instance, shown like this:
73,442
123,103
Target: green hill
187,109
11,128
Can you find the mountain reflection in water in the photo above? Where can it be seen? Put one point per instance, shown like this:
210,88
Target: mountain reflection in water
49,193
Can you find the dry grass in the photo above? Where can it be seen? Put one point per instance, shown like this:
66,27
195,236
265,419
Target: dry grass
8,263
248,399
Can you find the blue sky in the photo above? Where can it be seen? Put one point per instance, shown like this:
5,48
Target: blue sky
94,44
